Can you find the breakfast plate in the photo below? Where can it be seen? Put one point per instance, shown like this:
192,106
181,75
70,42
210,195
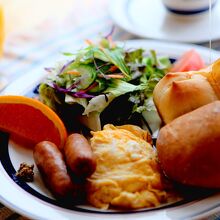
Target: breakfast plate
150,19
35,201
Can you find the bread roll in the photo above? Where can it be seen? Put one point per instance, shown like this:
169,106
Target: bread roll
213,76
189,147
182,92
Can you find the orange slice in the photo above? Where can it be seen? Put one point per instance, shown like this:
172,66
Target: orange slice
31,120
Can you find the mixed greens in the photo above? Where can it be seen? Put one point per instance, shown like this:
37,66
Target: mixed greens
104,83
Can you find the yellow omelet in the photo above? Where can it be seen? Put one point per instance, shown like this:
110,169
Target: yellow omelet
127,173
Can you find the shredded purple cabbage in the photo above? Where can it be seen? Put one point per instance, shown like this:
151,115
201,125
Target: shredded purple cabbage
111,32
65,66
49,69
80,94
51,84
74,85
60,89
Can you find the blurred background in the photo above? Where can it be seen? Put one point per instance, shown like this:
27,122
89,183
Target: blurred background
25,14
37,32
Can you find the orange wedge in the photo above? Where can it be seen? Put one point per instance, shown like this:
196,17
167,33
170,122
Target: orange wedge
31,120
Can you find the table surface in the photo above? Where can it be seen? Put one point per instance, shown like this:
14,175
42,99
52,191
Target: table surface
33,41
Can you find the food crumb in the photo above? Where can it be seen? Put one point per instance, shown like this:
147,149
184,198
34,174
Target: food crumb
25,172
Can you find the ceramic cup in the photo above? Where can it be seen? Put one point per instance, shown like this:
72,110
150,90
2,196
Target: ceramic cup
188,7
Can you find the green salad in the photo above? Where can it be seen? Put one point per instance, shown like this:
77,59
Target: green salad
104,83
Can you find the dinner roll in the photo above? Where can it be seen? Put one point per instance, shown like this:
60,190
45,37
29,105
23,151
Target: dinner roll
189,147
213,76
182,92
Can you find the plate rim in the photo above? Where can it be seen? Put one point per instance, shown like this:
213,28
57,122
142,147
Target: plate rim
14,88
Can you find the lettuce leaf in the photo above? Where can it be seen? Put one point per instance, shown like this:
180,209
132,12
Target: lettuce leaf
98,103
48,96
116,57
115,89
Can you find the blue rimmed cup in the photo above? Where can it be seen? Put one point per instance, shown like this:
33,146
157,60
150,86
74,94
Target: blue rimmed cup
188,7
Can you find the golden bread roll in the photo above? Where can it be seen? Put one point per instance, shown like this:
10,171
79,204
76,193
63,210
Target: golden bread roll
189,147
213,77
182,92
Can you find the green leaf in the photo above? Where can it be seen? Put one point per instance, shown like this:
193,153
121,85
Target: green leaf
71,100
91,121
153,57
48,96
67,54
98,103
164,63
116,57
135,56
99,54
119,87
104,43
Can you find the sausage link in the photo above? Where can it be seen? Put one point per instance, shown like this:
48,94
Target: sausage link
52,167
79,155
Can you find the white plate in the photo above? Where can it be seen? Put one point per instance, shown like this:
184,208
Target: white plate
150,19
34,201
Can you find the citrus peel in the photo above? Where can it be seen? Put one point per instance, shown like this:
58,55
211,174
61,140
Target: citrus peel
31,120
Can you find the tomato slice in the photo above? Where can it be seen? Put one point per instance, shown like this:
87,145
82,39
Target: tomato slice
190,60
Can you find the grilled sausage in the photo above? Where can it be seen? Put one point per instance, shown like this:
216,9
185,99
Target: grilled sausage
51,165
79,156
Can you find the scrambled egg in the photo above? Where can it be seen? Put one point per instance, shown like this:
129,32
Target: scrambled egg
127,173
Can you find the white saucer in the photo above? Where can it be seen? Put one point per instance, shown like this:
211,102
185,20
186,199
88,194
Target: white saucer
147,18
